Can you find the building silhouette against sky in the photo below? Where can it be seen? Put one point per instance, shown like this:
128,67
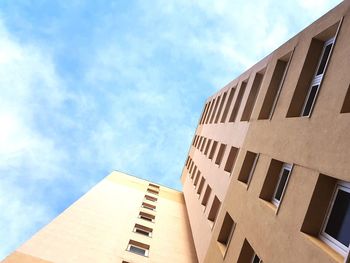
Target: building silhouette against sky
267,178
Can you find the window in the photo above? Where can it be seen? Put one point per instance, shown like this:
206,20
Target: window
226,233
210,107
220,154
194,171
148,206
206,196
213,149
316,82
220,107
256,259
155,192
214,210
200,141
248,167
276,182
203,113
336,227
150,198
228,104
248,254
143,230
146,216
238,102
200,187
211,110
197,178
215,109
346,105
203,144
275,87
207,147
231,159
154,186
253,94
312,73
138,248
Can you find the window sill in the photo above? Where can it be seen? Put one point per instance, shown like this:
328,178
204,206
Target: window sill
326,248
222,248
269,204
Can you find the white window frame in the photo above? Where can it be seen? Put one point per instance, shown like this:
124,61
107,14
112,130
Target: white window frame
147,233
132,245
317,79
260,260
286,166
332,242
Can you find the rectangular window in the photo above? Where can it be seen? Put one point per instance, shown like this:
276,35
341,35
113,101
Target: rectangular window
138,248
152,191
215,109
336,227
275,87
203,113
191,167
248,254
207,147
206,196
199,143
194,171
148,206
210,107
203,144
346,105
282,184
153,186
143,230
248,167
220,154
238,102
197,178
228,104
312,73
214,210
211,110
253,94
213,149
200,187
150,198
220,107
225,234
231,159
146,216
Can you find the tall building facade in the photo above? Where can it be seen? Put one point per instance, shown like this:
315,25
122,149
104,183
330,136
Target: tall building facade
268,173
267,178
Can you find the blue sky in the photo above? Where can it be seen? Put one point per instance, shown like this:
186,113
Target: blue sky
87,87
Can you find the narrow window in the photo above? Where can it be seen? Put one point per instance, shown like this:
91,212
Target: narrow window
152,191
231,159
138,248
150,198
253,94
282,183
200,187
275,87
191,167
211,111
146,216
248,167
336,226
148,206
203,113
203,144
248,254
238,102
143,230
206,196
199,143
213,149
207,147
346,105
214,210
225,234
210,107
197,178
215,109
153,185
228,104
194,171
220,154
220,107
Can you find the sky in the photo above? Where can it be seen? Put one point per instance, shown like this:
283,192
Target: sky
88,87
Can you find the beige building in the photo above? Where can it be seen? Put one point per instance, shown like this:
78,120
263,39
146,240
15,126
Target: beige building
268,173
121,219
267,178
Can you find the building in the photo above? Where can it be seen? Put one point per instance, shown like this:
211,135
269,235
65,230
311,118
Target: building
267,178
268,173
121,219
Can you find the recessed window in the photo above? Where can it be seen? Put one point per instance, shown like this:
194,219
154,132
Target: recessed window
276,182
213,149
152,191
228,104
220,154
153,185
210,108
248,167
253,94
150,198
200,141
148,206
220,107
207,147
214,210
256,259
197,178
143,230
203,113
238,101
275,87
203,144
215,109
206,196
225,234
200,187
146,216
336,227
138,248
248,254
194,171
191,167
231,159
346,104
